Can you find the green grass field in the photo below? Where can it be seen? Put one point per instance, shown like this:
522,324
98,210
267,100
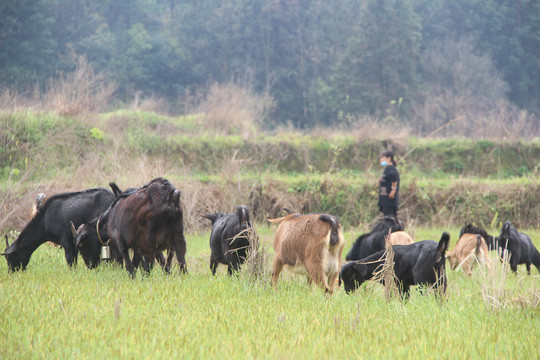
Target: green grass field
54,312
51,311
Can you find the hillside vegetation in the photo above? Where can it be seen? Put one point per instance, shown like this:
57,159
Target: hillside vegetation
444,181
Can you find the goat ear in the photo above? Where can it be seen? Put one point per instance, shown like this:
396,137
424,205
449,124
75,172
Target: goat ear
10,249
211,217
361,269
276,221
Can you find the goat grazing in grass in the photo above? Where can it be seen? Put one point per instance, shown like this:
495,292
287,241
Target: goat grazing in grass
520,247
310,243
420,263
229,240
374,241
469,250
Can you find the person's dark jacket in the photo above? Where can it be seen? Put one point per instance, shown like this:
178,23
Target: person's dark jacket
389,176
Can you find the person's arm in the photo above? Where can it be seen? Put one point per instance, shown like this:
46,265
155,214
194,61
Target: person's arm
394,189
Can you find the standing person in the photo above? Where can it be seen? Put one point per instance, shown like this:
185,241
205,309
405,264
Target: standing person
388,184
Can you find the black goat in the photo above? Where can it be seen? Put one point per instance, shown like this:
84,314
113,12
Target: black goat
229,241
52,223
373,241
420,263
148,220
520,247
89,237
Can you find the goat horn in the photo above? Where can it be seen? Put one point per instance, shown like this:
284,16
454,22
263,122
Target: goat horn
287,210
73,231
7,242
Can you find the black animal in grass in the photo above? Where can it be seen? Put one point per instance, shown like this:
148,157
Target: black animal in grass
149,220
491,241
52,223
520,248
374,241
229,240
420,263
89,237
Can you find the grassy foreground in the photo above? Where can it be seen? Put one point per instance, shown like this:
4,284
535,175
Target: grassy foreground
50,311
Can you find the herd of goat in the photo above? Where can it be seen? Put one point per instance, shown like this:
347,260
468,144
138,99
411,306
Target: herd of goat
149,220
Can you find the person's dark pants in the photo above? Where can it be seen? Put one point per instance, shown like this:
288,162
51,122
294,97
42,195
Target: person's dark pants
388,210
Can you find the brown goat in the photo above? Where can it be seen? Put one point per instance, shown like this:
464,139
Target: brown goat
469,249
400,238
310,244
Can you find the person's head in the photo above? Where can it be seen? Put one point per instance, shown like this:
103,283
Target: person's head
387,157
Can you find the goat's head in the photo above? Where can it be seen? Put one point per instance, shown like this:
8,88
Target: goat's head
505,234
352,275
87,242
13,256
452,259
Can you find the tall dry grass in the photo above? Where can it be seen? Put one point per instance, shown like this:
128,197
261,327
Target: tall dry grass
78,92
257,266
231,109
493,282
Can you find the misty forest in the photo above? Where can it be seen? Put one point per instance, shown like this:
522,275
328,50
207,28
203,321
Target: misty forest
414,63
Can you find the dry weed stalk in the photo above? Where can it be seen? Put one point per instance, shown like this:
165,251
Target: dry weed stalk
493,282
257,258
439,287
385,273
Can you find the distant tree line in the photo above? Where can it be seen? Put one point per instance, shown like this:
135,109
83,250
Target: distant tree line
323,62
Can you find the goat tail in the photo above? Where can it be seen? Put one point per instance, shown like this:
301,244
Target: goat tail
334,228
536,258
115,189
443,246
242,213
478,244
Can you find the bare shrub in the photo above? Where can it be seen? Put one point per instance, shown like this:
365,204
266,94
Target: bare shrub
152,103
232,109
464,88
369,127
80,91
13,100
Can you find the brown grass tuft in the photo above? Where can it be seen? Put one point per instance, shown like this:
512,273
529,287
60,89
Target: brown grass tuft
79,92
493,283
232,109
385,273
257,262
